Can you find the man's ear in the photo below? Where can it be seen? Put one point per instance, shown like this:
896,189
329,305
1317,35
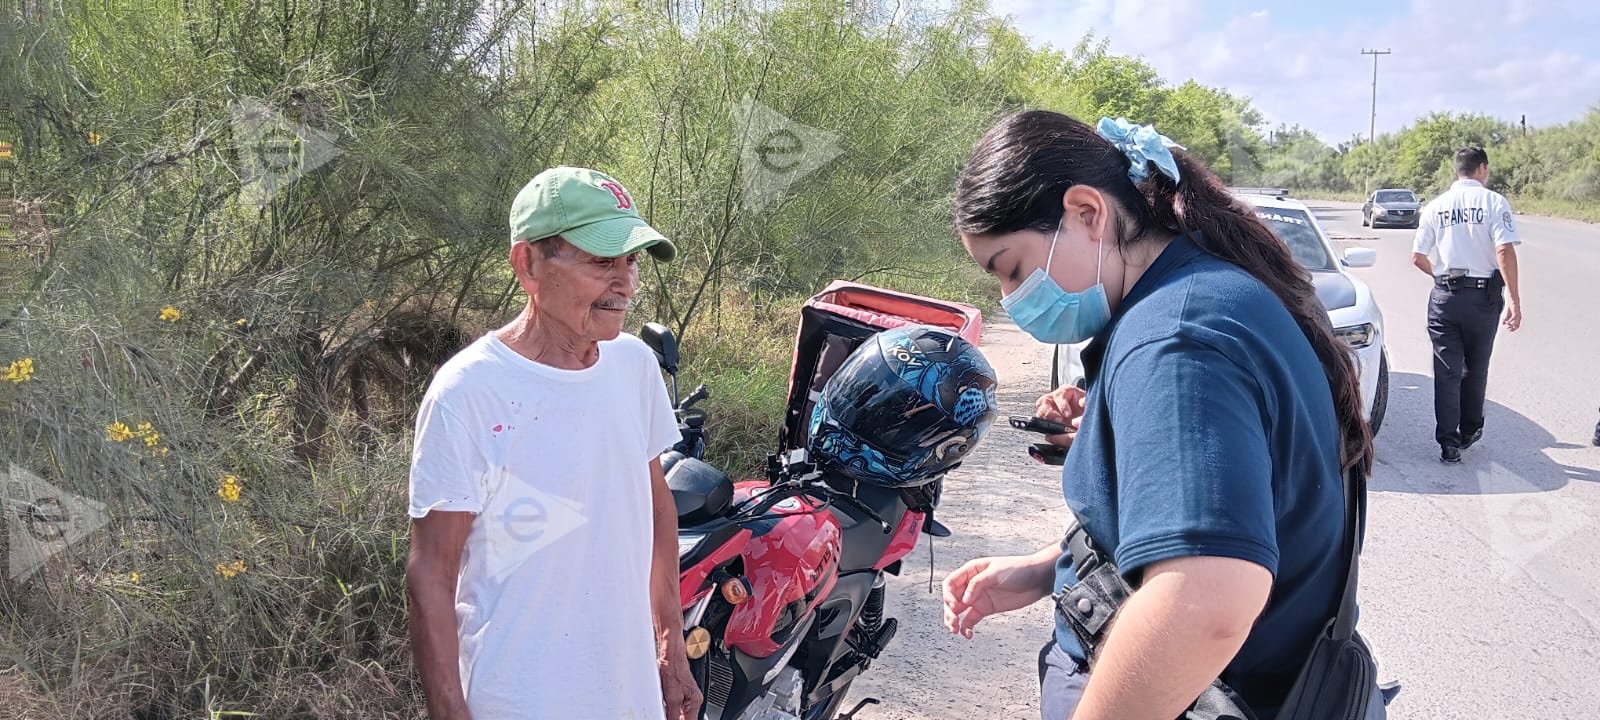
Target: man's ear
1088,207
525,260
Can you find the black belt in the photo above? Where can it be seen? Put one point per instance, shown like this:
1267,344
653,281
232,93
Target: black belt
1449,283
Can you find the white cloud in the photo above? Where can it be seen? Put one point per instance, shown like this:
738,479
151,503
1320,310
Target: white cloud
1486,56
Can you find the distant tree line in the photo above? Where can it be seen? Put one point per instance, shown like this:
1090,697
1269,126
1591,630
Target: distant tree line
1559,163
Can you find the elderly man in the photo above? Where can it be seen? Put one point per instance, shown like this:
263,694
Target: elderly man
543,573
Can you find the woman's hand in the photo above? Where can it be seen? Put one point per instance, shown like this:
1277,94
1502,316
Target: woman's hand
1064,405
994,585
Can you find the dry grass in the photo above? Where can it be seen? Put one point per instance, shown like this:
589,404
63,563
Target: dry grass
1569,209
288,603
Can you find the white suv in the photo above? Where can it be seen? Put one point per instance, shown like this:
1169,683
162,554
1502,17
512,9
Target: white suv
1355,315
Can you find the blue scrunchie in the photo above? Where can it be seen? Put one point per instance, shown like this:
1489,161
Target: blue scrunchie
1142,144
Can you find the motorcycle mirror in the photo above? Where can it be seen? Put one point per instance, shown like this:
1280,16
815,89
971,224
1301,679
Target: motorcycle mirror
660,339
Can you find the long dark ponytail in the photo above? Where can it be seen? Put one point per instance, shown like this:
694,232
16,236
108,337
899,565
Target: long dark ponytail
1025,163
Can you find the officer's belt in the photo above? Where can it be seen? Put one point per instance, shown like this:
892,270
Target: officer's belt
1450,283
1088,605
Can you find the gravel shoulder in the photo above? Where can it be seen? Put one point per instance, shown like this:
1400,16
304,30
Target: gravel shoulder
999,502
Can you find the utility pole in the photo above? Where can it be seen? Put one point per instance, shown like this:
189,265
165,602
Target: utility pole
1373,124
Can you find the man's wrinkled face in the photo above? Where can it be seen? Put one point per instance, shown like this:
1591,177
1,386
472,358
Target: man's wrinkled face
585,294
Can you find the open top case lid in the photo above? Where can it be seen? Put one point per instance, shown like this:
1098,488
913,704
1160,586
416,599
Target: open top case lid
834,322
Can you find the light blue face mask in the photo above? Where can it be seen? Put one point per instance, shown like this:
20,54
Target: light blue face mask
1051,315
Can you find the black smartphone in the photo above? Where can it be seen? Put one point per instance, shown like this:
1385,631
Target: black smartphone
1038,425
1048,454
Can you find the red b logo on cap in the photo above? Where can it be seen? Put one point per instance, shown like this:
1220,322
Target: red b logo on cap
623,201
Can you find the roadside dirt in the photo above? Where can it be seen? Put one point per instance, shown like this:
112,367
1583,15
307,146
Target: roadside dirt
999,502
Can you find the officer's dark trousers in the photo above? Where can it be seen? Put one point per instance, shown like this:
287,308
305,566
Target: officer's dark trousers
1462,323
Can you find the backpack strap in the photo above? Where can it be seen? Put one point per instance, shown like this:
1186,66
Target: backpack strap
1355,513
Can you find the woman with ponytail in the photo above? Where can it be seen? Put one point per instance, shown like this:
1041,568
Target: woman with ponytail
1207,453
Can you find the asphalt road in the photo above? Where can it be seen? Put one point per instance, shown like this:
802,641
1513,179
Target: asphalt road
1480,585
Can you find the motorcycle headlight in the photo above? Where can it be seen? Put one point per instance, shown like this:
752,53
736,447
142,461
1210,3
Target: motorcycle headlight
1357,336
687,541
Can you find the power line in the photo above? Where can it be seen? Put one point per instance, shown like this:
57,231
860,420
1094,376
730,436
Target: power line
1372,126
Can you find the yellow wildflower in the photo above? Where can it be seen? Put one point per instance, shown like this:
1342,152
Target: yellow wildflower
241,322
229,570
119,432
370,304
19,371
171,314
134,578
5,150
229,492
152,439
95,138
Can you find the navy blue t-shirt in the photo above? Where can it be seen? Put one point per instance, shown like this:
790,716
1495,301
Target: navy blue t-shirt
1210,430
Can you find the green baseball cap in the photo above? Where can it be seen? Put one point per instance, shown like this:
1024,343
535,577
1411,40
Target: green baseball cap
590,209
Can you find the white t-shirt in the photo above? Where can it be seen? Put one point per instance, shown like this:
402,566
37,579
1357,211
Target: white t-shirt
1466,224
553,603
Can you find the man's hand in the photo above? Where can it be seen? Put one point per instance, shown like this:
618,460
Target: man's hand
432,570
1423,263
679,692
1063,405
1506,257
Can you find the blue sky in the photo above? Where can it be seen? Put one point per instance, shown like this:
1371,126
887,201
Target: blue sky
1301,62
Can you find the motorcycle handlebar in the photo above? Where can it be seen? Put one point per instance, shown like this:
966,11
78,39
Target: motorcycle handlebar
768,500
700,393
781,493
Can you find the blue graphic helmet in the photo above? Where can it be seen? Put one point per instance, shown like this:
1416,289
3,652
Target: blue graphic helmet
904,408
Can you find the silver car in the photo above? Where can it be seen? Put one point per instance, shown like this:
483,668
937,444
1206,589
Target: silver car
1393,207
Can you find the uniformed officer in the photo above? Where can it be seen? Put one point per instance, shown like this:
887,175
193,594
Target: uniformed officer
1472,229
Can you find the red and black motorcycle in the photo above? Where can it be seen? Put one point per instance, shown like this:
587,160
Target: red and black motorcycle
783,578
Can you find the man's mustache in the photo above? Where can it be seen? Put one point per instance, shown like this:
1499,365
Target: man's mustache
617,303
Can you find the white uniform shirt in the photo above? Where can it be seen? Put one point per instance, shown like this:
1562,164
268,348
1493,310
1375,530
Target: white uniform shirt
1466,225
553,602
